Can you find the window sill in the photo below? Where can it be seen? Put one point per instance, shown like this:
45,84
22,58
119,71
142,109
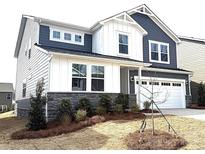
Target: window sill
160,62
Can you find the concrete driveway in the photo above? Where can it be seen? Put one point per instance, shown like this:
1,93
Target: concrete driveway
198,114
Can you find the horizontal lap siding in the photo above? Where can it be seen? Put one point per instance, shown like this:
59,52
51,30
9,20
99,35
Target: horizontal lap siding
157,34
191,56
36,66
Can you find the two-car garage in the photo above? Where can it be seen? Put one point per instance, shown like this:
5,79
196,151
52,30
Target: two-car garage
167,93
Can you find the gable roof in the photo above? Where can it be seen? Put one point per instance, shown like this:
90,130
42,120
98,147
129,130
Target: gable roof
144,9
122,17
192,39
20,35
6,87
90,54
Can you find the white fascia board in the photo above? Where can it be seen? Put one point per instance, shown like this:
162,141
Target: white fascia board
42,50
114,17
44,21
116,61
167,70
192,38
157,20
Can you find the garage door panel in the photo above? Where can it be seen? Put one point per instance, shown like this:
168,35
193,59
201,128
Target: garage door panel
171,91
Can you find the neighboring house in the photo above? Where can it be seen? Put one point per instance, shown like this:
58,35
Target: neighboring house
191,56
6,95
116,55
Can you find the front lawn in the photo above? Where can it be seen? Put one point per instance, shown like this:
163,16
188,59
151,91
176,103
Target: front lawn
107,135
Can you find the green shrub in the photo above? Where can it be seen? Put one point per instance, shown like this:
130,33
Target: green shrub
118,108
84,104
135,108
105,101
100,110
37,119
80,115
201,94
65,113
147,105
123,100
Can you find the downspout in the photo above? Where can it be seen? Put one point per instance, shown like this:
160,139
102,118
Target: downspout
189,82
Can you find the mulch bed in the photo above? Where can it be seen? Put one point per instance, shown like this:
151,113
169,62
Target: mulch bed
159,141
55,128
148,111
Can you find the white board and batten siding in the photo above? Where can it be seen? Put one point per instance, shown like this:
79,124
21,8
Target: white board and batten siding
105,40
61,74
33,69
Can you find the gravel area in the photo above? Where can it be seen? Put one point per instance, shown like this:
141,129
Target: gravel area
108,135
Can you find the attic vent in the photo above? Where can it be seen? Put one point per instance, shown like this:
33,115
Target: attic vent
144,10
141,10
121,17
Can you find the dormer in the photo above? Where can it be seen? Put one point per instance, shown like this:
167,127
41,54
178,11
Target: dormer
119,35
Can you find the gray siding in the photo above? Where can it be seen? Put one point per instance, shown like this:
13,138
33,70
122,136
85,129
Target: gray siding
157,74
34,68
157,34
3,100
44,40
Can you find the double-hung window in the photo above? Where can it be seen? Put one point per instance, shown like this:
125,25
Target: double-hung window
164,53
97,78
79,75
159,52
123,44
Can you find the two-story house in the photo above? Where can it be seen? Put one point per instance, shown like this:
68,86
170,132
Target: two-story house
120,54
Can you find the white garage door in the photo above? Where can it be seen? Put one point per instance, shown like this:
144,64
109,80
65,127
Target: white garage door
168,93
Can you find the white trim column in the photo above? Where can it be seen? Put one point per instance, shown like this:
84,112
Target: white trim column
139,87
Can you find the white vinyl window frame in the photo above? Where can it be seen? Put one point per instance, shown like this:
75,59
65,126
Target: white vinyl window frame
117,43
62,39
78,77
97,78
159,52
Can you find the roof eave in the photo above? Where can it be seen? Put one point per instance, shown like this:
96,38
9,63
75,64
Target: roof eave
20,36
154,16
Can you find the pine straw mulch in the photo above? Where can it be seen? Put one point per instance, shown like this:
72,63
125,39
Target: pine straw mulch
55,128
159,141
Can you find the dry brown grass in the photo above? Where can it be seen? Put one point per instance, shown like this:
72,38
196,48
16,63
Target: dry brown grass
108,135
158,141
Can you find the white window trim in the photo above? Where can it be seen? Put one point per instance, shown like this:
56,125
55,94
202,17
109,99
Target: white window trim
159,52
97,78
72,41
128,35
86,88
